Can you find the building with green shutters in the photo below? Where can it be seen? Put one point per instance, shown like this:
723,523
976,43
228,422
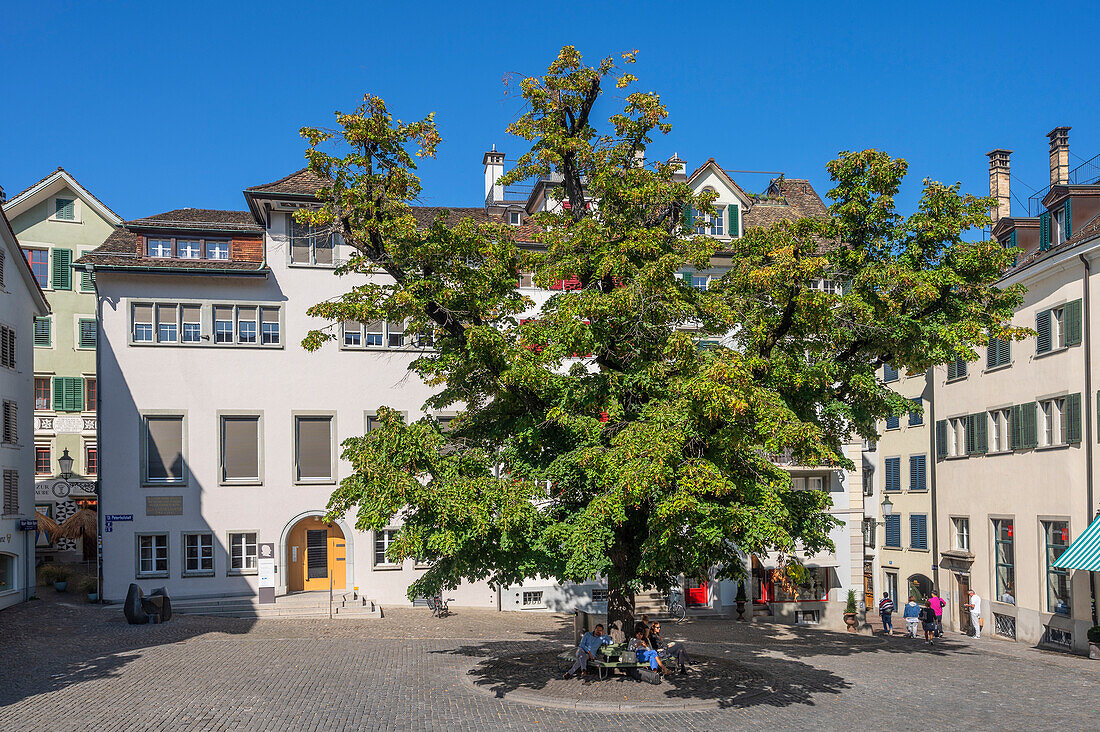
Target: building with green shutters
56,220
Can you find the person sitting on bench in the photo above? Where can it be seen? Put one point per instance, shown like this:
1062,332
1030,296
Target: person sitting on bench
640,646
672,650
589,646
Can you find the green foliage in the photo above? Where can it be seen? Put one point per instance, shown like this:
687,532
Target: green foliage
89,584
851,606
599,438
1094,634
51,573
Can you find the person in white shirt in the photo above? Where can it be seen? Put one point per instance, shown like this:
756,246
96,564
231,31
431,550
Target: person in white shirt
975,606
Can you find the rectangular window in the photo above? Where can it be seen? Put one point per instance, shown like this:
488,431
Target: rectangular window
160,248
246,325
1000,419
532,598
167,324
374,333
91,393
43,332
217,250
916,417
143,323
309,244
11,492
382,541
918,531
397,335
189,248
998,353
191,319
956,369
38,259
353,334
269,326
918,470
313,448
892,475
91,459
240,448
242,553
223,323
7,347
957,428
893,531
11,423
64,209
87,281
1056,534
152,555
893,422
1051,425
813,586
164,449
198,554
41,393
961,532
43,462
1004,560
87,333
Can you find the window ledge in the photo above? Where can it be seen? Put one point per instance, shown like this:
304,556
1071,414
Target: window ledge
956,457
918,549
386,567
303,265
1044,448
999,452
956,379
322,481
892,548
158,575
1002,367
191,575
240,572
247,482
173,484
1051,352
917,490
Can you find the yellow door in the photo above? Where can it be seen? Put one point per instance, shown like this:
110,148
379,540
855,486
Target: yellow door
316,551
337,559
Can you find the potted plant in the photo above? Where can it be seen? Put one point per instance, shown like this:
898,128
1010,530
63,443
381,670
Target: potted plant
741,599
90,586
1094,642
850,612
56,575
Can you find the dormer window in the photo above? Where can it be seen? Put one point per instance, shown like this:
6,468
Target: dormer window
161,248
515,218
166,248
310,244
189,248
217,250
1057,226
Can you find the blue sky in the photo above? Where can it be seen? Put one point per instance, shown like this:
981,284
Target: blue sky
155,107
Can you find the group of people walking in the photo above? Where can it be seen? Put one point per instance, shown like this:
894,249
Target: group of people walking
928,617
647,645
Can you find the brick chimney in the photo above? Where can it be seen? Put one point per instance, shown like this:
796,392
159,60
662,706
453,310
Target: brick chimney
494,169
999,184
1059,155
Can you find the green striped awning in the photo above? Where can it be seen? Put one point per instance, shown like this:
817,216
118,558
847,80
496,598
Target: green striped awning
1084,552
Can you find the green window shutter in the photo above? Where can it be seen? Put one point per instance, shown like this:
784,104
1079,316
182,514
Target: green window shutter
1067,218
43,335
1042,331
1073,322
59,393
87,281
689,219
62,269
1004,351
971,434
734,219
74,394
1031,423
941,432
64,209
1044,231
1072,417
87,332
978,425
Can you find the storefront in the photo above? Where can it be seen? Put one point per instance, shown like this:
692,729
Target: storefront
60,500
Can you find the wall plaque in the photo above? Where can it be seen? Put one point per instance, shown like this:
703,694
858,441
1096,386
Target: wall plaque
164,505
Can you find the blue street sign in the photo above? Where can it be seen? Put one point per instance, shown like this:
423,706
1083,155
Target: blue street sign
120,517
28,525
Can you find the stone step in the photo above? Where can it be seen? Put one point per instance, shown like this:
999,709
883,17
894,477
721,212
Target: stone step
296,605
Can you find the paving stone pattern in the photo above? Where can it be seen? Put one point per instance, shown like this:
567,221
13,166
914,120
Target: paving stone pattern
69,666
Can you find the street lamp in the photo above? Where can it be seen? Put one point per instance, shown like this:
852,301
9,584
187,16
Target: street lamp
887,506
65,466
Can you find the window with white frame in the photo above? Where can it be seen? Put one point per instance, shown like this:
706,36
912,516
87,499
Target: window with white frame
382,541
174,324
375,334
190,323
957,439
515,218
189,248
217,249
160,248
167,325
1000,423
532,598
242,552
246,325
142,316
1050,427
152,557
269,327
198,554
310,244
960,527
223,323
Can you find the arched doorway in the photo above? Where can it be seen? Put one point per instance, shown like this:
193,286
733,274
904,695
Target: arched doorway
315,552
920,587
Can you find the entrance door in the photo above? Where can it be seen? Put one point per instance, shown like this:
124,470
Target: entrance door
696,592
868,585
963,581
316,552
892,588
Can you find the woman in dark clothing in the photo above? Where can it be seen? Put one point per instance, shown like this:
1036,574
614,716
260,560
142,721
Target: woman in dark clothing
672,650
928,622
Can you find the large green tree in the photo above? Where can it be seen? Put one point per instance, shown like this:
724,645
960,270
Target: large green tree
597,437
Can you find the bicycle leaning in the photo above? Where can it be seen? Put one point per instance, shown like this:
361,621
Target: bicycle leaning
674,604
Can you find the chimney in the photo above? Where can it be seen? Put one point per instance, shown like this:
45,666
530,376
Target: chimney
494,169
679,168
999,184
1059,155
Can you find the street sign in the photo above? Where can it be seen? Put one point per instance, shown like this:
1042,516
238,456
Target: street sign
265,569
28,525
120,517
935,567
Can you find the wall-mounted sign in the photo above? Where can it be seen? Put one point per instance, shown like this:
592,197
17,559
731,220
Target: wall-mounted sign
164,505
58,488
265,570
28,525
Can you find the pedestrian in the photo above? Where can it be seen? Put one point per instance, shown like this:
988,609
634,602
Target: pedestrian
928,622
938,603
975,606
587,649
886,612
912,616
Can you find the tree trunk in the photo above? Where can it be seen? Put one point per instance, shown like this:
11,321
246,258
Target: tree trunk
620,606
624,555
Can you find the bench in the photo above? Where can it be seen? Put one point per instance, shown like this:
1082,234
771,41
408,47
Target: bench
608,658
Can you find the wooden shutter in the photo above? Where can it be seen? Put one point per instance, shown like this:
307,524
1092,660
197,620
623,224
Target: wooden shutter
981,433
1,267
889,373
918,531
1004,351
971,434
1067,218
734,221
1014,441
689,219
941,433
1042,331
1030,424
893,530
1072,316
1044,231
87,280
59,393
1071,418
42,334
917,473
74,394
62,269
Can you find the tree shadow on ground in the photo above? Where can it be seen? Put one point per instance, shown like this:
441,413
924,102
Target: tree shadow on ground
50,644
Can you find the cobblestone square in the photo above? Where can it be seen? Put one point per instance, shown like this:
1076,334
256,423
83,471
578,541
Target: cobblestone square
69,666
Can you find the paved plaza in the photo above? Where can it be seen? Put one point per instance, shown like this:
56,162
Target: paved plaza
68,666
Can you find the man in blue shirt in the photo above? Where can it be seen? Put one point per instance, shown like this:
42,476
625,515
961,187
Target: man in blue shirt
587,649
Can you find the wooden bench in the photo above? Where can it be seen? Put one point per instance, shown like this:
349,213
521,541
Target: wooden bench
608,658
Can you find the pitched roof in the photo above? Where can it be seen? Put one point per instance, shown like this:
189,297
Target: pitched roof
787,199
722,172
1089,231
302,182
29,195
204,219
24,266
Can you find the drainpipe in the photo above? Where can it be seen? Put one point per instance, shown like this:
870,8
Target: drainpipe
90,268
930,391
1086,408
